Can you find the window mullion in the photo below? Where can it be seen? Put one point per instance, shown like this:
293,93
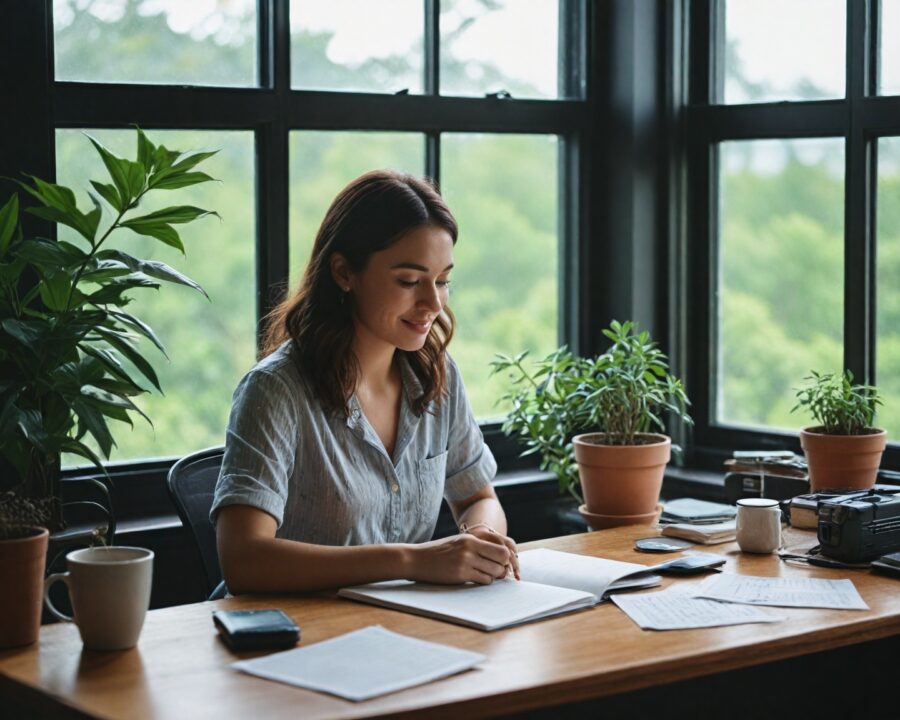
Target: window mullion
272,163
858,236
432,47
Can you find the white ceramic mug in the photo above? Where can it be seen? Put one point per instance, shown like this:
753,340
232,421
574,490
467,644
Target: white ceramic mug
758,525
110,592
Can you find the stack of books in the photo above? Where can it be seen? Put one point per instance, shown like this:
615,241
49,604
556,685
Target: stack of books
696,512
699,521
783,464
708,534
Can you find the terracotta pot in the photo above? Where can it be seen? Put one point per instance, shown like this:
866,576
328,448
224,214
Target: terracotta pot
621,479
842,462
596,521
22,563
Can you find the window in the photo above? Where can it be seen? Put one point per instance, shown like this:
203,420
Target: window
781,257
773,52
358,45
166,42
792,229
485,97
496,185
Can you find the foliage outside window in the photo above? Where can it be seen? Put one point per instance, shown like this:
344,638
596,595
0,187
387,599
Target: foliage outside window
506,215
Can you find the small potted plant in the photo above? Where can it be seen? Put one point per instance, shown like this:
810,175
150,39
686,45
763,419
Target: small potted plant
613,400
68,348
843,449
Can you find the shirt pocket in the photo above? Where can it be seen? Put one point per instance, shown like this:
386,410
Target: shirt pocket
431,473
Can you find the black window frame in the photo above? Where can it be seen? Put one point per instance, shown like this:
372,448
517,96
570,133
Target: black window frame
273,109
860,118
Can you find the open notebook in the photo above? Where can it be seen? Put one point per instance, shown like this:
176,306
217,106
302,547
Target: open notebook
552,583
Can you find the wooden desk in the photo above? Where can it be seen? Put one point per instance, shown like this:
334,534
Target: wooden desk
180,668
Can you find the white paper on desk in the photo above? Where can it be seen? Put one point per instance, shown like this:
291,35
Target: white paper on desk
583,572
675,610
362,664
782,591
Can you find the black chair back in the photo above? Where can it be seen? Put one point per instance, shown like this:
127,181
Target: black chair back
192,483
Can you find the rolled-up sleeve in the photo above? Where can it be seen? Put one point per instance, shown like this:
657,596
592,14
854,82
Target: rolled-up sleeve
470,463
261,446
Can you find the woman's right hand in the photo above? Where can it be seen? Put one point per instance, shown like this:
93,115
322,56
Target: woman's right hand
459,559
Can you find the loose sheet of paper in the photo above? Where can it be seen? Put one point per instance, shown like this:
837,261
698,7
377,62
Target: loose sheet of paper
668,610
782,592
362,664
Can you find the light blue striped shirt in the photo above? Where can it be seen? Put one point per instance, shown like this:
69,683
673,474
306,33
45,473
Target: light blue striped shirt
327,479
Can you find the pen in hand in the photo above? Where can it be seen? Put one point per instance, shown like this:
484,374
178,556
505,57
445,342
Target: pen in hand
513,567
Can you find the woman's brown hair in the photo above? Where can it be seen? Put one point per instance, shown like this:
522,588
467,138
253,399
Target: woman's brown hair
368,215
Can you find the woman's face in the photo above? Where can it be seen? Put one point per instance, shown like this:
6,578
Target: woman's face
403,288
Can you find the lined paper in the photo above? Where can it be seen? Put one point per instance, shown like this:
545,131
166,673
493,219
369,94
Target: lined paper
668,610
782,591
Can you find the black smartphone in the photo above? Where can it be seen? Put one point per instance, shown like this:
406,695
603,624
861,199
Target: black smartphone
256,629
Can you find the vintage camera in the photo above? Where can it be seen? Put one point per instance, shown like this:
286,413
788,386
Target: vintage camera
859,527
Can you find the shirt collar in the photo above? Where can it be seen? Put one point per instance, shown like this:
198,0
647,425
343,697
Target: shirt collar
412,389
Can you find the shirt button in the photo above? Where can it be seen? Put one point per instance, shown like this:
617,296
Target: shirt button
395,488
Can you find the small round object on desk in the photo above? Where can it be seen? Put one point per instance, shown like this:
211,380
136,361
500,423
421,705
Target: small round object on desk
661,544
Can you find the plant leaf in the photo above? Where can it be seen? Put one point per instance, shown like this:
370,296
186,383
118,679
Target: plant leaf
145,150
113,366
27,333
160,231
188,160
95,423
50,254
9,218
78,448
181,180
131,354
118,170
110,194
73,218
58,196
55,289
162,271
170,216
142,327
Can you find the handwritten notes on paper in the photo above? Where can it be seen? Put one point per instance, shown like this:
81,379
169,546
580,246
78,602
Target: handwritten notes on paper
782,592
727,599
669,610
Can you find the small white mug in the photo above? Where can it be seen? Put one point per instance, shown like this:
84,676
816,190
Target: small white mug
110,592
758,525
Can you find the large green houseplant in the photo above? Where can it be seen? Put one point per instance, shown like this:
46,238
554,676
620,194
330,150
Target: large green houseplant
69,354
614,400
843,449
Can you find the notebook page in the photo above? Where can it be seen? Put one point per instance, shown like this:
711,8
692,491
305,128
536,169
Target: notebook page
486,607
581,572
362,664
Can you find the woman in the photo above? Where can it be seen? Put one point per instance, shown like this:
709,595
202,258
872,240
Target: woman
344,438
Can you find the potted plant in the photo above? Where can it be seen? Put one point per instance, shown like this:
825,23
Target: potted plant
843,449
69,358
614,400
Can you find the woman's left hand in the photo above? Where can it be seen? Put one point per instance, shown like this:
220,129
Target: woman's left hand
484,532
